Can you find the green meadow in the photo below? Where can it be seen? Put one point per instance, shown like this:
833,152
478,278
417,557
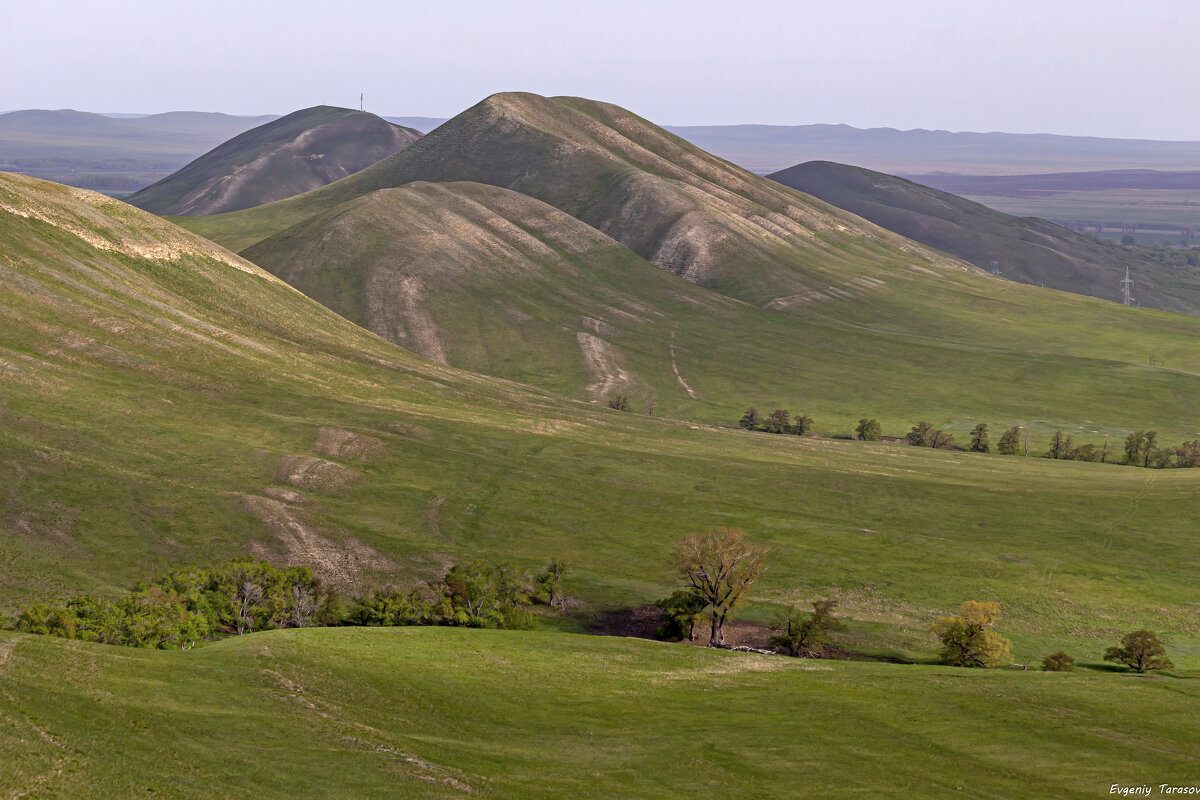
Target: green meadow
426,712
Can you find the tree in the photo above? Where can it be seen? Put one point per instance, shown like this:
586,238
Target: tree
1141,651
619,402
968,640
679,614
749,420
1010,440
1059,446
1188,454
777,421
1140,447
939,438
868,430
1058,662
806,635
720,566
549,582
801,426
979,439
919,435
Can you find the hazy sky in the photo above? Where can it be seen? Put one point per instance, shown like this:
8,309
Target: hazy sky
1057,66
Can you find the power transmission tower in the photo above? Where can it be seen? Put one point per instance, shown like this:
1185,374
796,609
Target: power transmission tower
1125,284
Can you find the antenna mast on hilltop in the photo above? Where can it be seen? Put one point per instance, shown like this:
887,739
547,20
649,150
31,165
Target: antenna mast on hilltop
360,108
1125,284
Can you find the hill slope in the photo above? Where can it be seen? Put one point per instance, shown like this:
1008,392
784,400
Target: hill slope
496,282
1026,249
166,402
288,156
433,713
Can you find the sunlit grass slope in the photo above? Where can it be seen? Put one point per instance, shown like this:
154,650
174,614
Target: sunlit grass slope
165,402
352,713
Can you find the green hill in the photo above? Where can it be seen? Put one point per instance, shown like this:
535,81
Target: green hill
433,713
166,402
288,156
1023,249
497,281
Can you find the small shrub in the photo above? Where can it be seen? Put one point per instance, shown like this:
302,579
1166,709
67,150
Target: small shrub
868,430
1058,662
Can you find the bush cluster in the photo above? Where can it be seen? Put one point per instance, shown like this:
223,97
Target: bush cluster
192,604
778,421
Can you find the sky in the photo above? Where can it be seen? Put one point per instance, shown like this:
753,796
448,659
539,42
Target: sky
1096,68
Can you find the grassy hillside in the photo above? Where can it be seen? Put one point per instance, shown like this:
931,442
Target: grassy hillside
107,154
497,282
1026,249
288,156
168,403
452,713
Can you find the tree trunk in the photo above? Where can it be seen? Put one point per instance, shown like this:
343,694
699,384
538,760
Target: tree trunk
717,639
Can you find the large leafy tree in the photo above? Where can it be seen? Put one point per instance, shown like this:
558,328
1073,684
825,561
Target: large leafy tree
720,566
1142,651
969,639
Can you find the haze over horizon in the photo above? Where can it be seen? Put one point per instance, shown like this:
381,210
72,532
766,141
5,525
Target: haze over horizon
1070,68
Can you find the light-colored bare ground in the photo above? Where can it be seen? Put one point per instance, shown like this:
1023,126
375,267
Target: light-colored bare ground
343,562
675,366
604,364
338,443
307,472
413,327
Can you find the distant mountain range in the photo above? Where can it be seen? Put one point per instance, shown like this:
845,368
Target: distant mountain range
122,153
769,148
113,155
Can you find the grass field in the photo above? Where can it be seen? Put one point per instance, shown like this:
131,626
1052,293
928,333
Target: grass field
454,713
131,444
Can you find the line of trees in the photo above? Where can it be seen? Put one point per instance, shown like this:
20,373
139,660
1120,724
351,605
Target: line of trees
719,567
192,604
778,421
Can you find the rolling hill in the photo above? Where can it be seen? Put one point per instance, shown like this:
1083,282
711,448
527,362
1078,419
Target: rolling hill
693,215
1025,249
499,280
167,402
445,713
288,156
